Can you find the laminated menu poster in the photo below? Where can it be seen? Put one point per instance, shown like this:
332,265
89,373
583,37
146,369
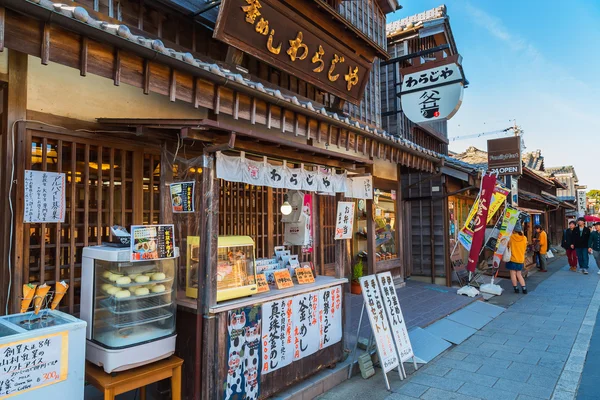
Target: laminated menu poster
44,197
277,338
330,316
182,196
243,354
379,323
152,242
27,365
396,319
305,322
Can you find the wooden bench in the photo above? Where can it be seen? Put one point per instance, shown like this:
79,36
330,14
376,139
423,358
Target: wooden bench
135,378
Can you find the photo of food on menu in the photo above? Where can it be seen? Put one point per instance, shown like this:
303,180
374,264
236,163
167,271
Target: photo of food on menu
152,242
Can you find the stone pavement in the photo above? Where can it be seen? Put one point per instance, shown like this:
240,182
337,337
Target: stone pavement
536,349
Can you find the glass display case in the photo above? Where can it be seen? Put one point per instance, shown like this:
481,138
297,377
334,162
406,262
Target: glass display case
127,304
191,268
236,267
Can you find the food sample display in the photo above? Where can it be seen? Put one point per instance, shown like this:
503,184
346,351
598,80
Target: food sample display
236,268
127,304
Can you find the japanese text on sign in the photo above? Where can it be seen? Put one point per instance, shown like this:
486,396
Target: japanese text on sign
275,34
182,196
152,242
297,327
330,316
344,220
32,363
396,319
44,197
374,304
283,279
304,275
305,324
261,283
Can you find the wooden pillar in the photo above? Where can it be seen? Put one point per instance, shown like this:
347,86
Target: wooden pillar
400,224
432,238
343,254
12,146
446,230
207,291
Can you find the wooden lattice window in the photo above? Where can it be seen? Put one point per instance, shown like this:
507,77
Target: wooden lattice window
100,192
328,209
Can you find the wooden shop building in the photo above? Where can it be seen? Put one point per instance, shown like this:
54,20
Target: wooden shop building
127,97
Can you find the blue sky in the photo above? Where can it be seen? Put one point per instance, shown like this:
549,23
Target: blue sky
534,61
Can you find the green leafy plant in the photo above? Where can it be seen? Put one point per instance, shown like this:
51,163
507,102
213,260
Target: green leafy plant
357,271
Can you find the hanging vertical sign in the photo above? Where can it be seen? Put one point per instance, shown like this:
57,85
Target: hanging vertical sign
44,197
379,323
182,196
394,312
305,323
330,316
277,337
344,220
487,187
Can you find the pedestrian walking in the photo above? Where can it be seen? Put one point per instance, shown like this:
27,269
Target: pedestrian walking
517,246
541,247
594,244
581,237
567,244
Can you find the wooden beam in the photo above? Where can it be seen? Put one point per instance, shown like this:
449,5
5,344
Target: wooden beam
45,50
16,109
117,68
146,76
83,56
253,111
2,26
173,85
236,105
196,94
216,100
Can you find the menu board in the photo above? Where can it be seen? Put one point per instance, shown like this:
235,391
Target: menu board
344,220
182,196
396,319
261,283
152,242
277,339
283,279
44,197
299,326
30,364
330,316
304,275
379,323
306,325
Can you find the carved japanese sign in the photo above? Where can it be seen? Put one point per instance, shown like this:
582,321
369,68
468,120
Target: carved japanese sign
274,33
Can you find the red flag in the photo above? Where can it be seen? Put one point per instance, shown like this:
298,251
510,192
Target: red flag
487,187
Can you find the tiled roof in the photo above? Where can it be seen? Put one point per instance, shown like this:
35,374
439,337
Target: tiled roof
122,31
534,160
415,21
453,162
473,156
564,169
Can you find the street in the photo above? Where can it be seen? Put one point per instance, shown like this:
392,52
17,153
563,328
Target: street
536,349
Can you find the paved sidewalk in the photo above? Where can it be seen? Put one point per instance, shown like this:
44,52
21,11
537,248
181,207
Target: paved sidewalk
534,350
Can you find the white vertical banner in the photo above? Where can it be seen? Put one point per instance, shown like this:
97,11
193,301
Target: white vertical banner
382,331
254,172
277,338
396,319
330,316
362,187
44,197
294,178
344,220
311,181
305,323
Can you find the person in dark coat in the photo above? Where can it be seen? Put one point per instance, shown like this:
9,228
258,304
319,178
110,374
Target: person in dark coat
567,244
581,237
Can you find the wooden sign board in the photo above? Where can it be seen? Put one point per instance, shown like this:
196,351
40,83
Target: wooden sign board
261,283
283,279
276,34
304,275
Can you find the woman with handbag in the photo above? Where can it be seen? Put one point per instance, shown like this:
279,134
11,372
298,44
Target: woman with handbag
517,246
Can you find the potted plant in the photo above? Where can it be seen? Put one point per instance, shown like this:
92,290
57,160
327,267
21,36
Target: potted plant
357,273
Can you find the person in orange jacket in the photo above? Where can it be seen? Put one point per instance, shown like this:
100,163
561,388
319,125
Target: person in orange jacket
517,246
541,246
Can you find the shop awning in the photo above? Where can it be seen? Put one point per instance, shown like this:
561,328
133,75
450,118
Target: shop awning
569,206
525,195
530,211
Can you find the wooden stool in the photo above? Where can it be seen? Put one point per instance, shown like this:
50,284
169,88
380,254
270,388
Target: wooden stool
136,378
